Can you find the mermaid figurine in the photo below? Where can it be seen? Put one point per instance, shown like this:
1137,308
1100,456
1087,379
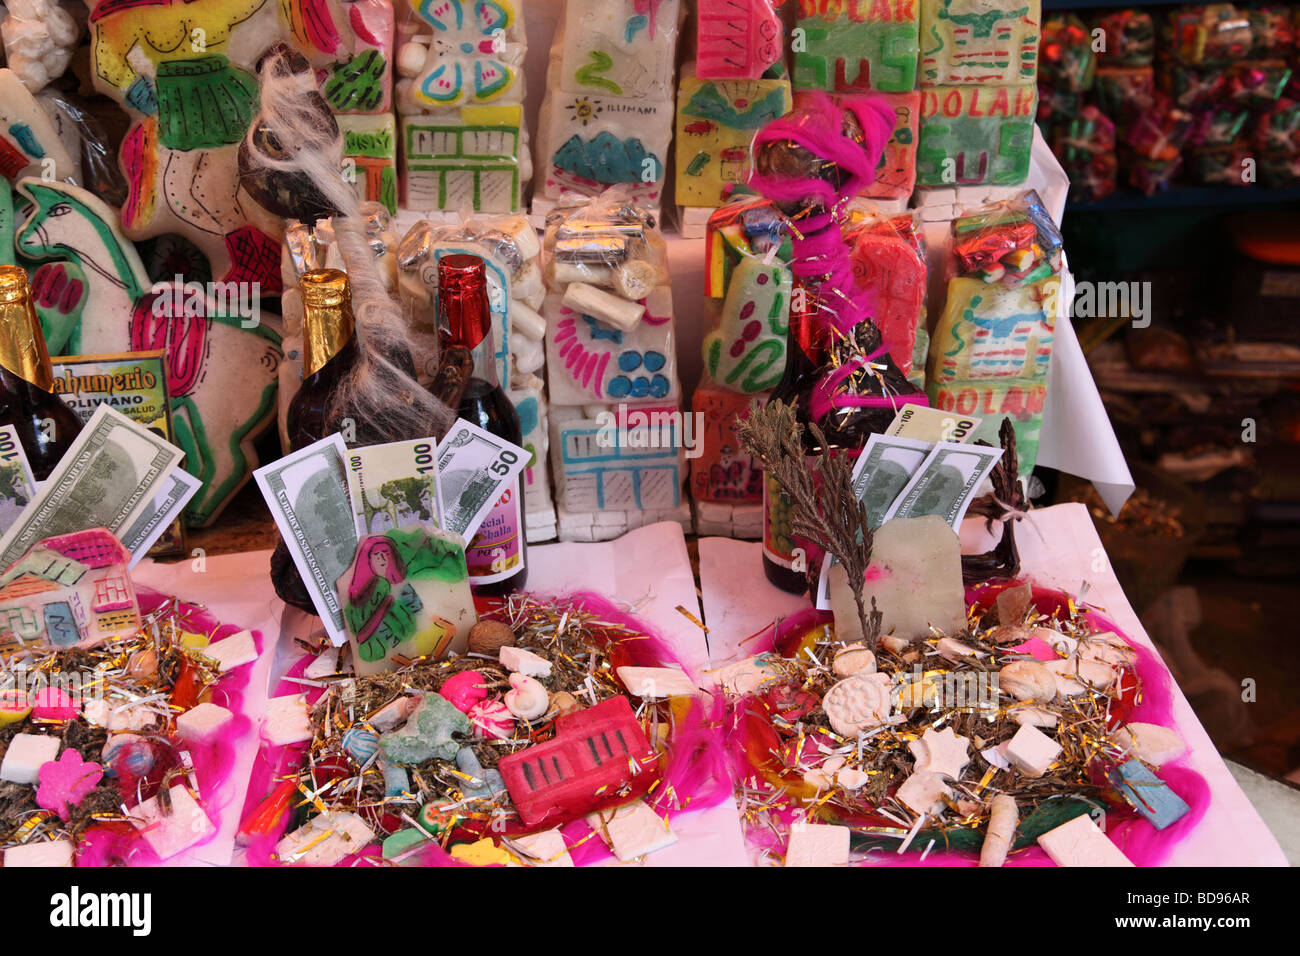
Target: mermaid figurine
809,163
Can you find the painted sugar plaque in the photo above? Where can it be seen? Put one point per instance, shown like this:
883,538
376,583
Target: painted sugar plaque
222,355
971,135
855,46
406,594
984,42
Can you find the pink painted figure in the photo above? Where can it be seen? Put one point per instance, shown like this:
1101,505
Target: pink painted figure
737,39
492,719
65,782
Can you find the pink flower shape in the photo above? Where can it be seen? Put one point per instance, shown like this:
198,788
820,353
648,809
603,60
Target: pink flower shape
65,782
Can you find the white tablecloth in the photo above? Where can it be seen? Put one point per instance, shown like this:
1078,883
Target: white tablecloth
1059,548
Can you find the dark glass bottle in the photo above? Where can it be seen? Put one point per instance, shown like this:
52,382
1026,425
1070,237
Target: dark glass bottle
806,352
498,554
329,353
46,427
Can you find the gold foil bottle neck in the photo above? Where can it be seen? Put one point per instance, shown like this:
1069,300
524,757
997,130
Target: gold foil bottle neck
327,320
22,344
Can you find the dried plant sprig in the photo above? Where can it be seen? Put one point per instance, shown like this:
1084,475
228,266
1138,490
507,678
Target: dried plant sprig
831,517
1006,504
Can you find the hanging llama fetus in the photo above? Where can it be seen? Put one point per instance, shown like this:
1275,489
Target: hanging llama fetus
222,356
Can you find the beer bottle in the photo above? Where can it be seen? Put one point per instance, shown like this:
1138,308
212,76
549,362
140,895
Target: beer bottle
497,555
46,427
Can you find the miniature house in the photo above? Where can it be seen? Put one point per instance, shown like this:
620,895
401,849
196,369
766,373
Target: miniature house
73,590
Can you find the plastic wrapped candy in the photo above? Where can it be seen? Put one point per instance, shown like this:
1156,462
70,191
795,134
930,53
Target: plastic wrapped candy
610,242
1272,31
1218,125
1086,150
1220,165
1150,176
1257,84
889,265
1065,58
992,346
1160,131
1214,33
1193,87
1130,37
1124,91
1278,129
747,285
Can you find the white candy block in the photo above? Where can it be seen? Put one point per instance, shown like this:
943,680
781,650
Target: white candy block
286,720
119,715
519,660
1031,751
26,754
922,792
747,676
202,722
234,651
544,849
1081,843
657,682
325,664
47,853
325,840
185,825
817,845
586,299
632,830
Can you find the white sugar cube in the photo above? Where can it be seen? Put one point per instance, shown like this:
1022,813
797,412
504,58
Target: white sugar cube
201,722
47,853
632,830
325,839
1031,751
233,651
286,720
325,664
26,754
815,844
1081,843
169,833
544,849
656,682
519,660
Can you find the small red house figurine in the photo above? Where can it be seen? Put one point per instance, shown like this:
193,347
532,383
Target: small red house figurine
73,590
598,758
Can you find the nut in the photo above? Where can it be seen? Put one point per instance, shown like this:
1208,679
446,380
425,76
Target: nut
488,637
1027,680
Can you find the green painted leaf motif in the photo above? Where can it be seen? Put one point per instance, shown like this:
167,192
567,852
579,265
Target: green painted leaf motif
590,75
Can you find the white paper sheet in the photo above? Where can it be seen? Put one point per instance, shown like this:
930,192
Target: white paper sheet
236,589
1058,548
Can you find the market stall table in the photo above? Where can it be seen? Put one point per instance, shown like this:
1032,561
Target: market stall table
1059,548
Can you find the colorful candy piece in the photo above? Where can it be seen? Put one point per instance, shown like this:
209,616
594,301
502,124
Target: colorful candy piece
971,135
716,122
722,471
464,690
848,48
427,733
575,773
1148,794
492,719
65,782
984,42
736,39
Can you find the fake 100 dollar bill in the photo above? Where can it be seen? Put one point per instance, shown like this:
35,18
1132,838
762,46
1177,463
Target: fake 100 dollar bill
882,471
474,469
307,492
932,424
394,485
108,477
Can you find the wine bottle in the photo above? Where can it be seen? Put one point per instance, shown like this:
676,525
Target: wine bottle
46,427
497,554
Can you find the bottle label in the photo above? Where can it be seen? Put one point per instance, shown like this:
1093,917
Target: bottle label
779,542
496,551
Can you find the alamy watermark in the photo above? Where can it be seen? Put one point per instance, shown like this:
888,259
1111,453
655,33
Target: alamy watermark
643,428
1113,300
178,297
